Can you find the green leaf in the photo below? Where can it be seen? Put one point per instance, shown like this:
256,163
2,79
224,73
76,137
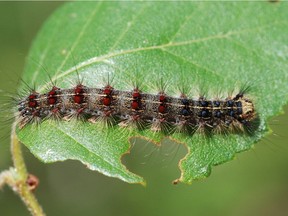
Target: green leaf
193,46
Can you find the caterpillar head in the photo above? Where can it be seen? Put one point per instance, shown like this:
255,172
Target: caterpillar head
248,111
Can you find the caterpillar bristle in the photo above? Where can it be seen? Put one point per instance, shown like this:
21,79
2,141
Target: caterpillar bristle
138,110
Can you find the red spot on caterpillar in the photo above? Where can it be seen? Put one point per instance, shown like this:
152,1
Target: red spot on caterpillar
135,105
79,89
162,98
32,104
52,98
108,90
162,109
136,94
106,101
162,106
79,97
32,96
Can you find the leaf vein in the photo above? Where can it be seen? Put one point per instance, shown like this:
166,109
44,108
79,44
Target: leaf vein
102,58
128,27
93,153
81,33
214,73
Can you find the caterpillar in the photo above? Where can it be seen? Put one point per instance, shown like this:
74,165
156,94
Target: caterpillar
158,112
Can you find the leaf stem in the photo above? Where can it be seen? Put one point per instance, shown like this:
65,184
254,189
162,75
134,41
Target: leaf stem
17,156
17,177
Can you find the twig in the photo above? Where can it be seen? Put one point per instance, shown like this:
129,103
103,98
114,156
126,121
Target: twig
17,177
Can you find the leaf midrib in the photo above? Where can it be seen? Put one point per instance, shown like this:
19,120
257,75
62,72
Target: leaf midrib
156,47
81,32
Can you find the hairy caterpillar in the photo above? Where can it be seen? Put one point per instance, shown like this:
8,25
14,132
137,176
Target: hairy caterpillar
159,112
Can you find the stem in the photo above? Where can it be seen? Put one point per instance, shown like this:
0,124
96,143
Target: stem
16,177
17,156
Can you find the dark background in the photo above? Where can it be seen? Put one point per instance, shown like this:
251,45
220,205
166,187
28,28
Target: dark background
255,183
